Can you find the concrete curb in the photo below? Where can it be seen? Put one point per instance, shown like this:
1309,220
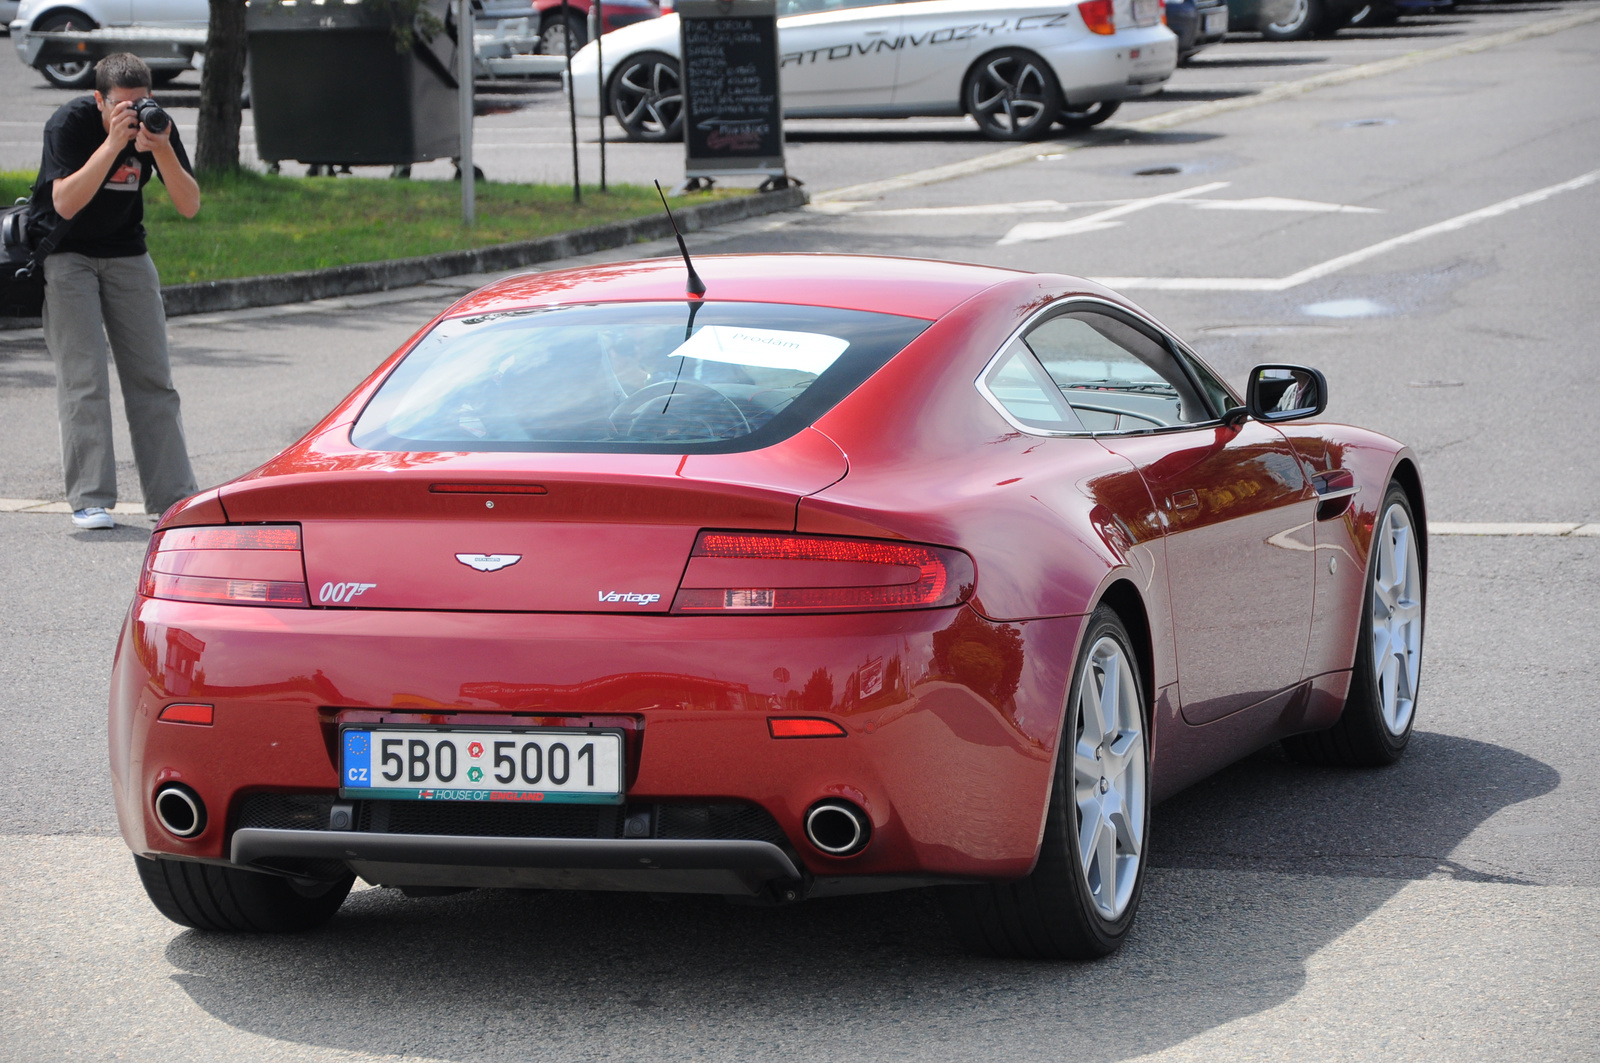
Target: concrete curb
361,277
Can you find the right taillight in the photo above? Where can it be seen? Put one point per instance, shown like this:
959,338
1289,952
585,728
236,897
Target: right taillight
771,572
1097,16
256,564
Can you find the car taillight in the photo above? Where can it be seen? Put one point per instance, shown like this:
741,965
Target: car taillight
1097,16
1163,12
767,572
257,564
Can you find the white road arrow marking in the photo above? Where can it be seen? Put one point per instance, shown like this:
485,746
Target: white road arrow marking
1279,203
1049,230
1334,265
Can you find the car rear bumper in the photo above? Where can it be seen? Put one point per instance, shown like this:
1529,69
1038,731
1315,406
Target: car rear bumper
951,725
1126,65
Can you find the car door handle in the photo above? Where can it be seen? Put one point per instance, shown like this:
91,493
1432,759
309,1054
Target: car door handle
1185,499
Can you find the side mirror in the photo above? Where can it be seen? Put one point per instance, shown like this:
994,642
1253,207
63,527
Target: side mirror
1285,393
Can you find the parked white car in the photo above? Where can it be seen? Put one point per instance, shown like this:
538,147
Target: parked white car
1016,66
168,54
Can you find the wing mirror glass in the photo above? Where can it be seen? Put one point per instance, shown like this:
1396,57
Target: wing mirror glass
1285,393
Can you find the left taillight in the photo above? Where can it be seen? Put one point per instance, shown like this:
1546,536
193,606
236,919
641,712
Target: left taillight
246,564
764,572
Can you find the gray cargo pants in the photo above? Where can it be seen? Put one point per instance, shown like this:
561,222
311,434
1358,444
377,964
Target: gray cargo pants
86,301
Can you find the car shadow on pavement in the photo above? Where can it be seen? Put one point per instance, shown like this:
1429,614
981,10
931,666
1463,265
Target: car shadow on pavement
1255,872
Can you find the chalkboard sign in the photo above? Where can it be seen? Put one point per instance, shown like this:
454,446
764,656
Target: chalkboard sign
732,110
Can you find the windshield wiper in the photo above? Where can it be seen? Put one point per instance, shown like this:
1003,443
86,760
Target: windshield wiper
1121,385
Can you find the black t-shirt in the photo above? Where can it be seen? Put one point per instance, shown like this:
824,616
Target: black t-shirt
112,225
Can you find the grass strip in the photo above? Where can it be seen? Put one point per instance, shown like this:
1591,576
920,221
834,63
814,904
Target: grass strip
255,224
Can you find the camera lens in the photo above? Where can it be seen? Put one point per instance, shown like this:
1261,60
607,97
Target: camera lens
151,116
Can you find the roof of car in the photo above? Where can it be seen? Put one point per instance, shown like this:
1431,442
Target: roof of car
913,287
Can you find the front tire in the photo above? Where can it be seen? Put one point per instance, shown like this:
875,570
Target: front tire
232,900
1012,95
1380,710
70,75
1080,900
1303,22
646,97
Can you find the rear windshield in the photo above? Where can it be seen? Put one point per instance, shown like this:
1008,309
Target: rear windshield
663,377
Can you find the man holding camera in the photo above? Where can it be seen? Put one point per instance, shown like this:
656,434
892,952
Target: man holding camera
100,284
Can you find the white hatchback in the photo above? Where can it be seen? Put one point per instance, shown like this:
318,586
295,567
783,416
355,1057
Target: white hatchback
1016,66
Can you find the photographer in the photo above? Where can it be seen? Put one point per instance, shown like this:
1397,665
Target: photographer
100,284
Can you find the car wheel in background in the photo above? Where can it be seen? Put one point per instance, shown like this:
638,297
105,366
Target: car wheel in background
1090,115
1380,709
74,75
210,897
1012,94
1303,21
1079,902
1378,14
647,97
554,35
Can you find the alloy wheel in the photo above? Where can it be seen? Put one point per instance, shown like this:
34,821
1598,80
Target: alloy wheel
647,98
1108,778
76,74
1396,620
1012,97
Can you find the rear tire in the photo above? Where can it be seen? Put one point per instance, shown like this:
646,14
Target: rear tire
232,900
68,75
1072,907
1012,94
1380,710
646,97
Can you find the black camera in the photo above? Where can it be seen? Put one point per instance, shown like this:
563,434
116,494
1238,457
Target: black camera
151,116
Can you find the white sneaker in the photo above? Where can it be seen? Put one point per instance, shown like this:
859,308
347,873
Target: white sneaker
93,518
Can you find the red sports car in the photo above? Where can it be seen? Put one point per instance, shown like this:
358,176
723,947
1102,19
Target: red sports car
853,574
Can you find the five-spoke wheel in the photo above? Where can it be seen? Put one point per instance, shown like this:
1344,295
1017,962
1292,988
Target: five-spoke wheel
1381,707
1081,897
1012,95
72,73
647,97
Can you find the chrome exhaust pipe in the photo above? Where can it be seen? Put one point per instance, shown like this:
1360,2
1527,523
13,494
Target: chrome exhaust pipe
838,828
180,810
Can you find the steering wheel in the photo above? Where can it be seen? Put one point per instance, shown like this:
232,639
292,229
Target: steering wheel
631,411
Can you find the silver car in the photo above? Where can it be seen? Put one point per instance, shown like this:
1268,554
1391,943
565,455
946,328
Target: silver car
1017,66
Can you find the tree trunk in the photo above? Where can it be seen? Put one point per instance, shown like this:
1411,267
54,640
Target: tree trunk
221,85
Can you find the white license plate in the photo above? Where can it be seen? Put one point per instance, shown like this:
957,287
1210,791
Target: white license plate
1215,22
1146,12
447,764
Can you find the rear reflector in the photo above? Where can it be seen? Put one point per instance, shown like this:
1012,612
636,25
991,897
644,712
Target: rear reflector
777,573
197,714
487,489
228,565
1097,16
802,727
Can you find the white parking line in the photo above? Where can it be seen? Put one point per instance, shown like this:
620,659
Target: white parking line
1334,265
1558,530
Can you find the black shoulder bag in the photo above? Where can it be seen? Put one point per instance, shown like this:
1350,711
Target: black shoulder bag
22,260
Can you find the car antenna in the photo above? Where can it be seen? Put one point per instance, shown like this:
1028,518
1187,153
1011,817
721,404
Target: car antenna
697,287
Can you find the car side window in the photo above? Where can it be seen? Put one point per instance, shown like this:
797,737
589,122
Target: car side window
1221,398
1114,376
1021,386
812,7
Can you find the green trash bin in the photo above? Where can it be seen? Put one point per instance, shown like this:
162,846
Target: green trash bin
328,86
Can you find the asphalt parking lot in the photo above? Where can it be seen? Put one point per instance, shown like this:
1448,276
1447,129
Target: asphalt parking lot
1425,237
